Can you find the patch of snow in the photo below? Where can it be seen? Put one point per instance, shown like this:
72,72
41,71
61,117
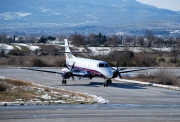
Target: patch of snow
2,77
168,49
46,97
33,48
6,47
100,99
150,84
18,47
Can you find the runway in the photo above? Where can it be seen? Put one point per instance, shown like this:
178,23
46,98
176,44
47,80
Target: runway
127,102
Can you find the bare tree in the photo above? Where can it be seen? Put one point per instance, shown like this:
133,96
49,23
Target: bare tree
91,40
140,41
114,40
3,38
149,35
128,40
175,51
78,39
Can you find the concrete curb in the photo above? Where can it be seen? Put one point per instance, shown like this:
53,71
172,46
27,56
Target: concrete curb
149,84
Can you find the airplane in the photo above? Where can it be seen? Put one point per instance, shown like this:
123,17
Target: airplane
88,68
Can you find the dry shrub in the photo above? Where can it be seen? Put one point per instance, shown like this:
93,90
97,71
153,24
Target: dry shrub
146,78
3,87
166,78
143,78
59,62
38,63
144,60
16,53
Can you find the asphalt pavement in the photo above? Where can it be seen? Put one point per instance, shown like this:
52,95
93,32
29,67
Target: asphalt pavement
127,102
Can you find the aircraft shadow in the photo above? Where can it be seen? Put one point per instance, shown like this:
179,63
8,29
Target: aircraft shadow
100,84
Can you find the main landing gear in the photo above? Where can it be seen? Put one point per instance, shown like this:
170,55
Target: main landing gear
107,82
64,81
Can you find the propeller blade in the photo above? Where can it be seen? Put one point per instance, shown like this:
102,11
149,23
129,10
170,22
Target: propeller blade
117,64
120,75
123,68
72,67
65,65
72,77
113,68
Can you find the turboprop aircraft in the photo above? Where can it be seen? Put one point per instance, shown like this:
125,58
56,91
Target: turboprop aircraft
89,68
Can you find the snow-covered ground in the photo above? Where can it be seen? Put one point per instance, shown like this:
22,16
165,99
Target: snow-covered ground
107,50
95,50
30,46
6,47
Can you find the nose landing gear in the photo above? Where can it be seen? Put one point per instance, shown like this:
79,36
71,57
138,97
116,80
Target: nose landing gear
64,81
107,82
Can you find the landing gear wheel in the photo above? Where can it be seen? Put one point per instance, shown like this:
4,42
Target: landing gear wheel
110,81
106,83
64,81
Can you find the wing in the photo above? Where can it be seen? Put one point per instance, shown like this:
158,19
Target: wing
74,72
40,70
133,70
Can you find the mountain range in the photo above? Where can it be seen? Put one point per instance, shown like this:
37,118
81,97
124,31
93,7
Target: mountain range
85,15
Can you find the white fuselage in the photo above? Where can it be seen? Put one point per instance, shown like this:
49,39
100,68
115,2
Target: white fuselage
97,67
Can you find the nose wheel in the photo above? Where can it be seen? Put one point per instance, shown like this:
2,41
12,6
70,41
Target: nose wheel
107,82
64,81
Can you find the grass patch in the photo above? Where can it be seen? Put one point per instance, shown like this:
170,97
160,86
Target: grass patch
18,82
15,90
24,48
11,90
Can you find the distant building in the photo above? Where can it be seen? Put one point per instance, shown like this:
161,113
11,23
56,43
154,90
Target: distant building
55,42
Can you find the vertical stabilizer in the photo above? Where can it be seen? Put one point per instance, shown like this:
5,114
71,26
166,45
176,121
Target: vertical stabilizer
68,53
66,46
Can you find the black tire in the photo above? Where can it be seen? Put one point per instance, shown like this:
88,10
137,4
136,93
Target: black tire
106,83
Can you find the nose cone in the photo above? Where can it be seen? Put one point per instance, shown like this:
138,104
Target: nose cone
108,73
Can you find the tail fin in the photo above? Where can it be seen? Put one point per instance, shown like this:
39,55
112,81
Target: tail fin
67,50
68,53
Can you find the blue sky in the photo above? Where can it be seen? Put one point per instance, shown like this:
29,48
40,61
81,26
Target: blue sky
167,4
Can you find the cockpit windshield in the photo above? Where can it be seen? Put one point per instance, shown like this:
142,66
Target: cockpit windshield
103,65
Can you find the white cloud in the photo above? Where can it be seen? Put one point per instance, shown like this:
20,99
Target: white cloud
45,10
23,14
12,16
166,4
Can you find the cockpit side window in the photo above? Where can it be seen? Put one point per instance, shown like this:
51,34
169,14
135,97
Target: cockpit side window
101,65
106,65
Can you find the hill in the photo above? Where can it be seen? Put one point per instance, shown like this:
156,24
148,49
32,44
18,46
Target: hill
69,15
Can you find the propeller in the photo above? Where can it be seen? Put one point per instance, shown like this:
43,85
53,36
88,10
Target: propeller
71,70
116,71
